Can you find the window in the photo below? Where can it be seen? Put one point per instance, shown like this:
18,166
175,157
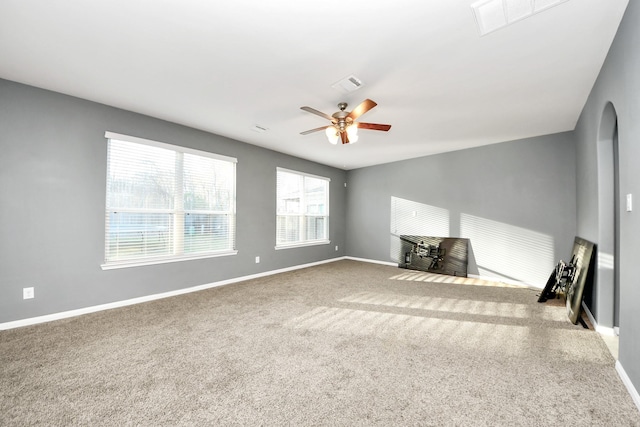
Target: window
302,209
166,203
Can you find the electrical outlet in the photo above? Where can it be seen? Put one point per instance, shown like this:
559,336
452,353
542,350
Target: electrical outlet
28,293
257,260
336,247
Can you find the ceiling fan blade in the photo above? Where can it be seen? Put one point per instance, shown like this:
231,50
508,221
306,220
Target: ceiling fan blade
345,139
364,106
317,113
307,132
373,126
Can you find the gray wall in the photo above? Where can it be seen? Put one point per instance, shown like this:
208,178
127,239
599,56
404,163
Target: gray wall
618,84
52,201
515,201
52,180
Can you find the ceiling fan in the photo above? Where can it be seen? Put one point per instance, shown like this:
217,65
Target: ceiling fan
343,125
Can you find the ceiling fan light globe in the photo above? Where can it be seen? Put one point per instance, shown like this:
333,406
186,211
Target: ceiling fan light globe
330,131
352,131
332,135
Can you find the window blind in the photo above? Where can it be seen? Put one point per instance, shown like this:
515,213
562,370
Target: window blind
164,201
302,208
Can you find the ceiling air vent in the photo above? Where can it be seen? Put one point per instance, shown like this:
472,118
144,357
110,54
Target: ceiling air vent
259,129
492,15
348,84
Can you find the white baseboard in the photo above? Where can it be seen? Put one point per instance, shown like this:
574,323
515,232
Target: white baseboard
628,384
619,369
589,315
603,330
147,298
372,261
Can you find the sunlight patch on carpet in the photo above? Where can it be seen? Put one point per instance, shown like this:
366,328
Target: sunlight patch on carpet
418,276
452,305
490,338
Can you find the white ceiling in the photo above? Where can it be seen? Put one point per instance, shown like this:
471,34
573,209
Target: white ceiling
226,66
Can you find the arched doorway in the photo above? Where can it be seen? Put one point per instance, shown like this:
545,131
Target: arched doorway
607,297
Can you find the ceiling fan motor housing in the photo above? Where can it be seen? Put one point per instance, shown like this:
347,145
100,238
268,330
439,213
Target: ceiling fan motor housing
341,119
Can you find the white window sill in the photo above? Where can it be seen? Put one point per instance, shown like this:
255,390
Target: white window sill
302,244
142,262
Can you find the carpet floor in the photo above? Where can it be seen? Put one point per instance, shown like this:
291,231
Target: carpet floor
341,344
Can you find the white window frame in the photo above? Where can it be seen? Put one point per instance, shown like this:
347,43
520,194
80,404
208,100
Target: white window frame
178,210
304,242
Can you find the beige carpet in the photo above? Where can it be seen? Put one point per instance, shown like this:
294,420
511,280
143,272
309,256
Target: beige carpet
345,343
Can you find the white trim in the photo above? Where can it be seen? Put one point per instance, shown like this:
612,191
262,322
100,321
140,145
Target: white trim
372,261
177,211
589,315
628,384
150,261
303,216
147,298
303,244
167,146
603,330
310,175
